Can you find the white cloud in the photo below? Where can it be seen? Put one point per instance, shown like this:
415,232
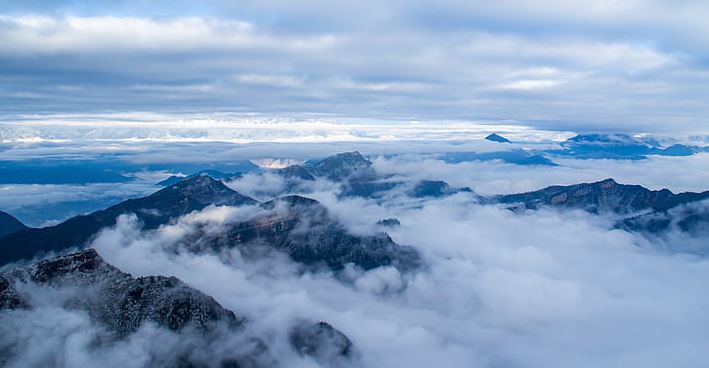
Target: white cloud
31,34
530,84
633,67
558,290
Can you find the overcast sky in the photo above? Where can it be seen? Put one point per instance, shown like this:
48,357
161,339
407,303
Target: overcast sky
632,65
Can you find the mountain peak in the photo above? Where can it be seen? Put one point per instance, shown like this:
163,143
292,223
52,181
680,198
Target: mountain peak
295,172
82,263
201,189
353,158
292,201
497,138
159,208
613,138
607,183
342,165
201,179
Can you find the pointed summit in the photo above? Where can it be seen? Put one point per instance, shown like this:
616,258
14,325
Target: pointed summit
342,166
497,138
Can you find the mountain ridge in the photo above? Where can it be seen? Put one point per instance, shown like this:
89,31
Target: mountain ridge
9,224
154,210
602,196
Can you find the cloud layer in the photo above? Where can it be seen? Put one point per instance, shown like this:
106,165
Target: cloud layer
561,289
534,289
633,65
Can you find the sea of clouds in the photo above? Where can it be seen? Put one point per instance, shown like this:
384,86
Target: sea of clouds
498,289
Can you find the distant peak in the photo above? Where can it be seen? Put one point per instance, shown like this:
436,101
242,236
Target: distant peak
86,261
614,138
342,165
291,201
607,183
202,177
353,155
497,138
198,181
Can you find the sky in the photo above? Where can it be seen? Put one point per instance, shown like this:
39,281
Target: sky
634,65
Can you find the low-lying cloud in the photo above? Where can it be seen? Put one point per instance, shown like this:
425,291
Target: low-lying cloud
536,289
497,288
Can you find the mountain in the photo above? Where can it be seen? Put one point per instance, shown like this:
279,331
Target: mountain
342,166
434,188
295,172
303,229
618,146
326,344
497,138
389,222
691,218
9,224
214,174
376,188
367,187
605,138
155,210
294,178
515,157
165,301
121,304
606,196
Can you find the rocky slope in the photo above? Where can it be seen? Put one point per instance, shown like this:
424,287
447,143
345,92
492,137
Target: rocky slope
342,166
303,229
122,304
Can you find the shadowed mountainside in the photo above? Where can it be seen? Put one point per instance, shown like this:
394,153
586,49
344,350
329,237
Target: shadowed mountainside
155,210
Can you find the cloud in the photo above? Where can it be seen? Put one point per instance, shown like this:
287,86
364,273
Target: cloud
105,130
530,84
540,289
492,177
33,34
537,289
43,205
635,66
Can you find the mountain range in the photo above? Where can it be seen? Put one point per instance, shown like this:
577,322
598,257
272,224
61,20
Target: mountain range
637,208
328,243
605,196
